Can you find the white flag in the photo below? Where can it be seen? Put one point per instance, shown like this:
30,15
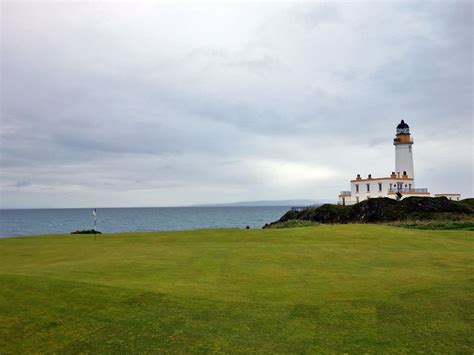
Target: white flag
94,212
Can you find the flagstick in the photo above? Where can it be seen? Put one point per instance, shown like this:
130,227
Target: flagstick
95,223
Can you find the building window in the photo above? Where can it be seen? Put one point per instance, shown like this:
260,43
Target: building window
357,187
357,199
409,186
368,187
380,186
390,186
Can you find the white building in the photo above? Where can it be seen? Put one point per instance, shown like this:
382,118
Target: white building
400,183
454,197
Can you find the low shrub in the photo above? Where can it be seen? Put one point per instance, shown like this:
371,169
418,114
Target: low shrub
87,231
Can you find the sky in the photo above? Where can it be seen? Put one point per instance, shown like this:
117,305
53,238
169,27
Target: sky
122,104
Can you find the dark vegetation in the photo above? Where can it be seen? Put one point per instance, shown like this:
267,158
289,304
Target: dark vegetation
295,223
417,210
87,231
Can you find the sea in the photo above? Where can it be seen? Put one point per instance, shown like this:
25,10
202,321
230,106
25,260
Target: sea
22,222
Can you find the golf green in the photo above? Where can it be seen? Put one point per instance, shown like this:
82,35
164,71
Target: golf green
325,289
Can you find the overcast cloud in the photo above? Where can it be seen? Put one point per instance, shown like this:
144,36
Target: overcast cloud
124,104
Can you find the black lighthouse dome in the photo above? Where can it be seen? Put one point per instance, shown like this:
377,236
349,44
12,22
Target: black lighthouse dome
403,128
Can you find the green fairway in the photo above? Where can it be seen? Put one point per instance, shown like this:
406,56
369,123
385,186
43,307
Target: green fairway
324,289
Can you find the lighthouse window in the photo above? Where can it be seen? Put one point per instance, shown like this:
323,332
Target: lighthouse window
368,187
380,186
357,187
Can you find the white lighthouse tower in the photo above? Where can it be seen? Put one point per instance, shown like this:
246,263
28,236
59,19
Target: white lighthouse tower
403,152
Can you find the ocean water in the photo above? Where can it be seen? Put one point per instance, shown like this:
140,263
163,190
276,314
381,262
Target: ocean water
109,220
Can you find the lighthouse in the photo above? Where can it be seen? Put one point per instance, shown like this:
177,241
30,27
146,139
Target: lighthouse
399,184
403,152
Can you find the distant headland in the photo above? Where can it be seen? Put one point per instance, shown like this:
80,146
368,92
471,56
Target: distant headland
266,203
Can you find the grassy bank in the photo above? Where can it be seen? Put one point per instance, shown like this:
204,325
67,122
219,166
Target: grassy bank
385,210
340,288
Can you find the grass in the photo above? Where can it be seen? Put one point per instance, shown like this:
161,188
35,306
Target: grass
446,225
324,289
